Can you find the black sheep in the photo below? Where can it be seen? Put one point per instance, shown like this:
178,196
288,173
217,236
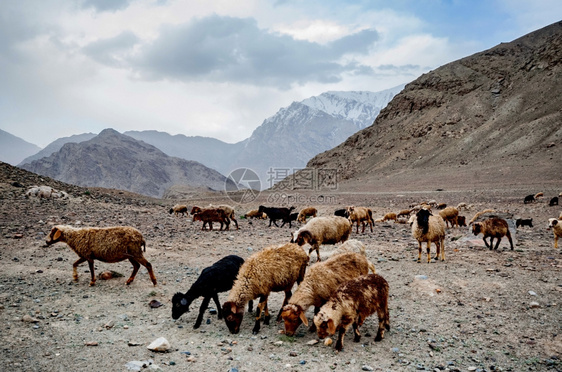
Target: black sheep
529,199
341,212
213,279
553,201
274,214
524,222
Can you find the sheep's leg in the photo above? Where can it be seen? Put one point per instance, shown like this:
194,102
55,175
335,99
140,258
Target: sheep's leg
437,250
443,249
428,252
148,266
274,222
218,304
371,223
317,248
363,227
312,327
250,306
357,230
202,308
339,342
75,268
509,238
235,222
498,243
288,295
419,251
259,310
91,264
485,242
555,241
266,317
136,267
357,336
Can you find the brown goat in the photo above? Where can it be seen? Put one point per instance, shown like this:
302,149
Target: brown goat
306,212
352,303
361,215
494,228
208,216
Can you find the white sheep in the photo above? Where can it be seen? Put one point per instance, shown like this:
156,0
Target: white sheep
429,228
110,244
322,230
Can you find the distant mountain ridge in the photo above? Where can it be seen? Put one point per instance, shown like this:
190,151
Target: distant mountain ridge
13,149
118,161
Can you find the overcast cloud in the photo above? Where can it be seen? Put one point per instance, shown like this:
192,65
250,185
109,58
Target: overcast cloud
218,69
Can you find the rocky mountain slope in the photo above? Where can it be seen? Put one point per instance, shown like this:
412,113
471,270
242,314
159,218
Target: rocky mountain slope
57,145
13,149
114,160
491,118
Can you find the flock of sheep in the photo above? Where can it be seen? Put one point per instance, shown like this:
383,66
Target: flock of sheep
343,288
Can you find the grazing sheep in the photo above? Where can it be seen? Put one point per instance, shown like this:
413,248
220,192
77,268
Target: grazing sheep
179,209
229,211
524,222
461,206
254,213
539,195
450,214
306,212
389,217
553,201
110,244
461,221
493,228
319,284
322,230
274,269
404,213
432,203
479,214
361,215
341,212
274,214
213,279
429,228
556,227
352,303
441,205
208,216
529,199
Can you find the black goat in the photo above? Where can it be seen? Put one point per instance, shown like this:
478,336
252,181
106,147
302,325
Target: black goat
274,214
553,201
529,199
524,222
213,279
341,212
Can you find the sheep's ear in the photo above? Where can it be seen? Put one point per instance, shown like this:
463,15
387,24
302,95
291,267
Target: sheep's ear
303,318
57,234
233,308
331,327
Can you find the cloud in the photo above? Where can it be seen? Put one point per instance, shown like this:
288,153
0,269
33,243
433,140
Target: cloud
111,51
228,49
106,5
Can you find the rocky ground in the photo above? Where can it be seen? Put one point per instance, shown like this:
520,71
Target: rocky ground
477,311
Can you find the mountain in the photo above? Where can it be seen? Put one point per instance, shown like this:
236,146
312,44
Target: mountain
492,119
13,149
57,145
288,139
114,160
209,151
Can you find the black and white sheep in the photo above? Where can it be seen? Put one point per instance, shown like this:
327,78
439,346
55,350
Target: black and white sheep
110,244
429,229
214,279
352,303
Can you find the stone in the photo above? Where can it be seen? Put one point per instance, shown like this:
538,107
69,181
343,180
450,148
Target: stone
367,368
534,305
328,341
160,344
29,319
312,342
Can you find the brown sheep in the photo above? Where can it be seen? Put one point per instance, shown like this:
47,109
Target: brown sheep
556,227
429,228
450,214
404,213
320,282
254,213
208,216
229,211
179,209
322,230
306,212
461,221
493,228
361,215
274,269
352,303
110,244
389,217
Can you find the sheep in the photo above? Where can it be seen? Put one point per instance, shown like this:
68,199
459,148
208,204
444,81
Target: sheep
216,278
404,213
553,201
429,228
461,221
275,214
208,216
556,227
432,203
494,228
450,214
352,303
255,214
539,195
524,222
389,216
479,214
361,215
442,206
229,211
110,244
44,192
274,269
341,212
179,209
306,212
462,205
322,230
320,282
529,199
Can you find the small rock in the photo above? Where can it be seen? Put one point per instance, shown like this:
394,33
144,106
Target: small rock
312,342
154,304
134,343
302,362
472,368
293,354
160,344
328,341
367,368
534,305
91,343
421,277
29,319
192,359
532,293
109,324
278,343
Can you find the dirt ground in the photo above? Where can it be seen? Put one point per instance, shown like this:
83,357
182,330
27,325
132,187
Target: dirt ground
479,310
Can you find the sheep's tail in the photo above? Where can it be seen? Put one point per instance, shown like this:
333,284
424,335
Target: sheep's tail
371,266
479,214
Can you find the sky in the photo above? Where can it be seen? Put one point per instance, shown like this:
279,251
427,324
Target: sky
218,68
